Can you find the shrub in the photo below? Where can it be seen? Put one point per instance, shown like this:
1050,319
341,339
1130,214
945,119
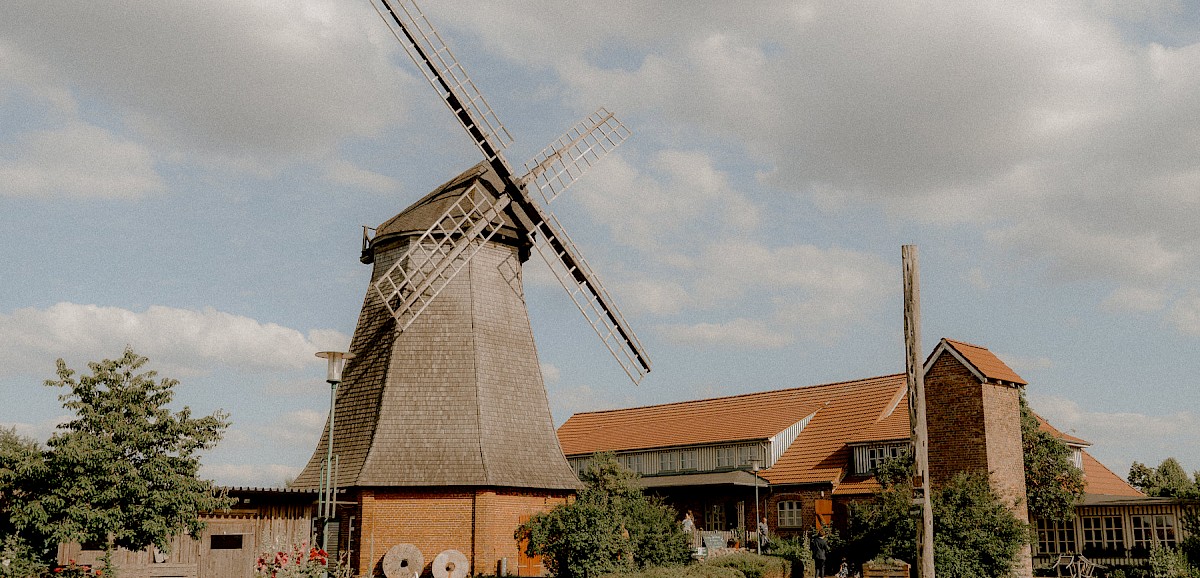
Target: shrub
18,560
690,571
753,565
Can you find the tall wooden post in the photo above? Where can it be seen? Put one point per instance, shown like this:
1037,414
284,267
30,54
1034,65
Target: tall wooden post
915,370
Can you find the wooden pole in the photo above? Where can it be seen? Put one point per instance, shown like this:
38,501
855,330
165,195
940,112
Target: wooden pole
915,370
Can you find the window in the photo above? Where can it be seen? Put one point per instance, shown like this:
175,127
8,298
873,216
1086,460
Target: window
714,517
1077,458
688,460
1103,536
668,461
789,514
225,542
1153,530
867,458
1055,537
724,457
633,462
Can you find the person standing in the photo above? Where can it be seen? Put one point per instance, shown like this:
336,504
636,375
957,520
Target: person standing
763,538
820,548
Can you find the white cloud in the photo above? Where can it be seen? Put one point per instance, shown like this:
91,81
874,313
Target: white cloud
250,475
747,333
1021,363
346,173
550,373
1135,299
977,279
245,83
179,341
1120,438
77,160
1185,314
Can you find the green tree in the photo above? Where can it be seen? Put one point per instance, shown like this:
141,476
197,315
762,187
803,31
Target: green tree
24,549
610,527
1053,485
975,534
123,471
1169,479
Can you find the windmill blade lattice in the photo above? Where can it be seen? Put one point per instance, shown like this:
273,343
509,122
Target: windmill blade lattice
407,293
559,165
430,262
430,53
584,287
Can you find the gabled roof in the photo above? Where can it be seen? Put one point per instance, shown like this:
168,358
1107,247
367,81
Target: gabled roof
843,413
840,411
979,360
1065,437
754,416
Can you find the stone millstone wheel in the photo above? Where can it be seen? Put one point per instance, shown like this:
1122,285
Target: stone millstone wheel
450,564
403,561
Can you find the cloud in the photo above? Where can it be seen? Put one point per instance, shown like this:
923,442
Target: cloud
1120,438
1185,314
1048,125
550,373
1019,363
77,160
1134,299
256,475
746,333
180,341
249,84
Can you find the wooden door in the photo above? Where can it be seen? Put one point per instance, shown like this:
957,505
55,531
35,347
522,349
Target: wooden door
527,565
228,549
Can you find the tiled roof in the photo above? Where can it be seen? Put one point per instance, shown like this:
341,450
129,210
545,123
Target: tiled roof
1068,438
983,360
819,454
1102,481
847,412
724,419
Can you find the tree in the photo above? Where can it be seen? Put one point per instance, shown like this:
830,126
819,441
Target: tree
1053,485
975,534
22,468
610,527
1168,480
123,471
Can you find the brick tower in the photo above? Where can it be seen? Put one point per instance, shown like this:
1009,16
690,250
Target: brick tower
443,431
974,416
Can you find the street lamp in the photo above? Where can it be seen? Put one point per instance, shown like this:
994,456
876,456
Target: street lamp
325,501
754,465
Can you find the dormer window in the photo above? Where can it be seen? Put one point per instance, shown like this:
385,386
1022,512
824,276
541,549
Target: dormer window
868,457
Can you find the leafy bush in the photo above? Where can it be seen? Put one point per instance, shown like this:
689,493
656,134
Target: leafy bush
1171,563
18,560
612,527
690,571
795,551
753,565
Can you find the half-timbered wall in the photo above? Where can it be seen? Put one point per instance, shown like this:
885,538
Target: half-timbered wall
670,461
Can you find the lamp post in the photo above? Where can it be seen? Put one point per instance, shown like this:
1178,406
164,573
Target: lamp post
325,501
754,465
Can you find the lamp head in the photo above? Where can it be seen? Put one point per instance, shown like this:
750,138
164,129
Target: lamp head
337,362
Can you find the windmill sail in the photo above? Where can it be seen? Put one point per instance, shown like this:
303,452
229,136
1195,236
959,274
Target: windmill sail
557,168
559,165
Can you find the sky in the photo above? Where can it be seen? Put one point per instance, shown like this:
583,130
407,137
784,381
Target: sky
191,180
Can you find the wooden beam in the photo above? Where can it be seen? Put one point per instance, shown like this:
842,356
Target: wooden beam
915,372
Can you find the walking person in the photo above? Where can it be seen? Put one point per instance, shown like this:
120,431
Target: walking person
820,548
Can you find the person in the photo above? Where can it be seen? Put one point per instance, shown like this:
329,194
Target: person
844,570
764,540
819,549
689,523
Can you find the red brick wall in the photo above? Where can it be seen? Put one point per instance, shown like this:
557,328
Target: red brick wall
477,522
956,423
807,510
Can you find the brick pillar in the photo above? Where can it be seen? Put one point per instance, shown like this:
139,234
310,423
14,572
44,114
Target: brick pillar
976,426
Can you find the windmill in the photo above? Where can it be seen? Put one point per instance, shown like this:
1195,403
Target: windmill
418,277
443,418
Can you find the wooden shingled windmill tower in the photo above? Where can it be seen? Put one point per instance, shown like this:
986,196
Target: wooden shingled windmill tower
444,438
